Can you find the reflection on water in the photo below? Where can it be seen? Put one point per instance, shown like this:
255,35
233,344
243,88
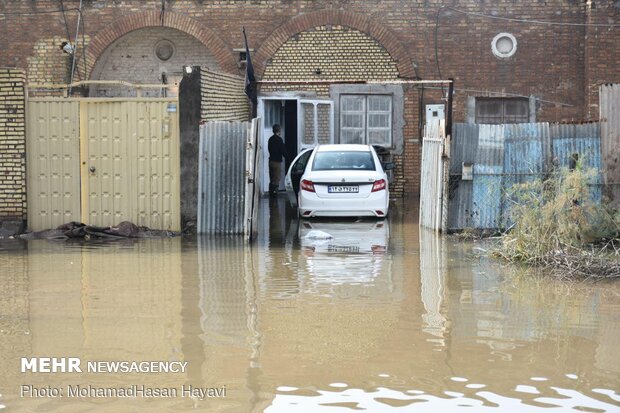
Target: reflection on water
381,317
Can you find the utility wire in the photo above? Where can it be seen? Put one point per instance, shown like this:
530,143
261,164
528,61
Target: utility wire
63,11
29,13
531,21
500,94
64,16
436,34
511,19
83,43
77,32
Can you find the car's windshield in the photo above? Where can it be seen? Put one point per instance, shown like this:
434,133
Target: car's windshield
343,160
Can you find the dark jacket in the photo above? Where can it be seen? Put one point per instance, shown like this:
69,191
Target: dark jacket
277,150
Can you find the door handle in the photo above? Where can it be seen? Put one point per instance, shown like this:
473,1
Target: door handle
92,169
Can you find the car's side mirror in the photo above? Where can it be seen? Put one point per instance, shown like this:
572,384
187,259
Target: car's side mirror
388,166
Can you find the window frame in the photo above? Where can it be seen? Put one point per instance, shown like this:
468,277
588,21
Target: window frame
366,115
502,118
396,91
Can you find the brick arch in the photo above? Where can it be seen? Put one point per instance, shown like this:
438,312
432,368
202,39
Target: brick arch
355,21
181,22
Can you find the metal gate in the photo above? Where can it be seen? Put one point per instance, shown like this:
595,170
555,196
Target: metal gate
103,161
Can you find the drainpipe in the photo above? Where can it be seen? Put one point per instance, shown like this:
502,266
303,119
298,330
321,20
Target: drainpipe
421,113
449,108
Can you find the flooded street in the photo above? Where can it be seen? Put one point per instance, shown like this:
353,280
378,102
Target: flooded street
384,317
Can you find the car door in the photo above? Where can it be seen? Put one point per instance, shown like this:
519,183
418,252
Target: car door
294,174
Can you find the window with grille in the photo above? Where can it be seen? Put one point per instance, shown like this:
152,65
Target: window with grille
366,119
502,110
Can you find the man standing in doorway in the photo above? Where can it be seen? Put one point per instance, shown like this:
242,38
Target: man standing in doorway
277,152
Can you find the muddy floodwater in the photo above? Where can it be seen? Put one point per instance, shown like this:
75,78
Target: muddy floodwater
383,317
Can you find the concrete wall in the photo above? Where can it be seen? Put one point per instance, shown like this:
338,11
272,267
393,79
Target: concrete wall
12,145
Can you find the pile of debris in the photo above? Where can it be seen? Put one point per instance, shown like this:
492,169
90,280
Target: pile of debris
73,230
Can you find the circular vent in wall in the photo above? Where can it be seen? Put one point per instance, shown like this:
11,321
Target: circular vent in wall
164,50
504,45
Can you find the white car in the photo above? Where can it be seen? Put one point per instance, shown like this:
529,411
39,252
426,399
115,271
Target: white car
338,180
359,245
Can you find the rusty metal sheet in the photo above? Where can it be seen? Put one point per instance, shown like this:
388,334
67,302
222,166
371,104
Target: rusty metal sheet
505,155
487,184
526,151
584,141
464,146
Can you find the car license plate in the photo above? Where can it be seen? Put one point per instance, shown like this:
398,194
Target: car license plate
343,189
342,248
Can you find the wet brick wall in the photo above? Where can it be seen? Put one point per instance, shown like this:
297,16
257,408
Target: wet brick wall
12,145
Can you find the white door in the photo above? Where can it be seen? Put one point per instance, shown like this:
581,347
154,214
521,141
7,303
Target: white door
294,174
315,122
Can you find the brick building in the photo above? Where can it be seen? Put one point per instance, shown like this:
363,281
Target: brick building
512,61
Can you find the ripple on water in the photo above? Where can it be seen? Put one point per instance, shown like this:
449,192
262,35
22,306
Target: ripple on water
286,388
459,379
388,400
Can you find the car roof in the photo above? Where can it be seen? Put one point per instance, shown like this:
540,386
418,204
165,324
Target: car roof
343,147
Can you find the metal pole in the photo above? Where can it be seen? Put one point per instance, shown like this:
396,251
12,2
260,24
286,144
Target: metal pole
449,108
421,112
352,82
75,45
445,160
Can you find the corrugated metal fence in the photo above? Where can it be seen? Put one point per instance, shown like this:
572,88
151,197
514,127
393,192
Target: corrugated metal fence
503,155
222,177
609,104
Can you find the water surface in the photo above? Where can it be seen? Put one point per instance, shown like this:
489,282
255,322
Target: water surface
384,317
